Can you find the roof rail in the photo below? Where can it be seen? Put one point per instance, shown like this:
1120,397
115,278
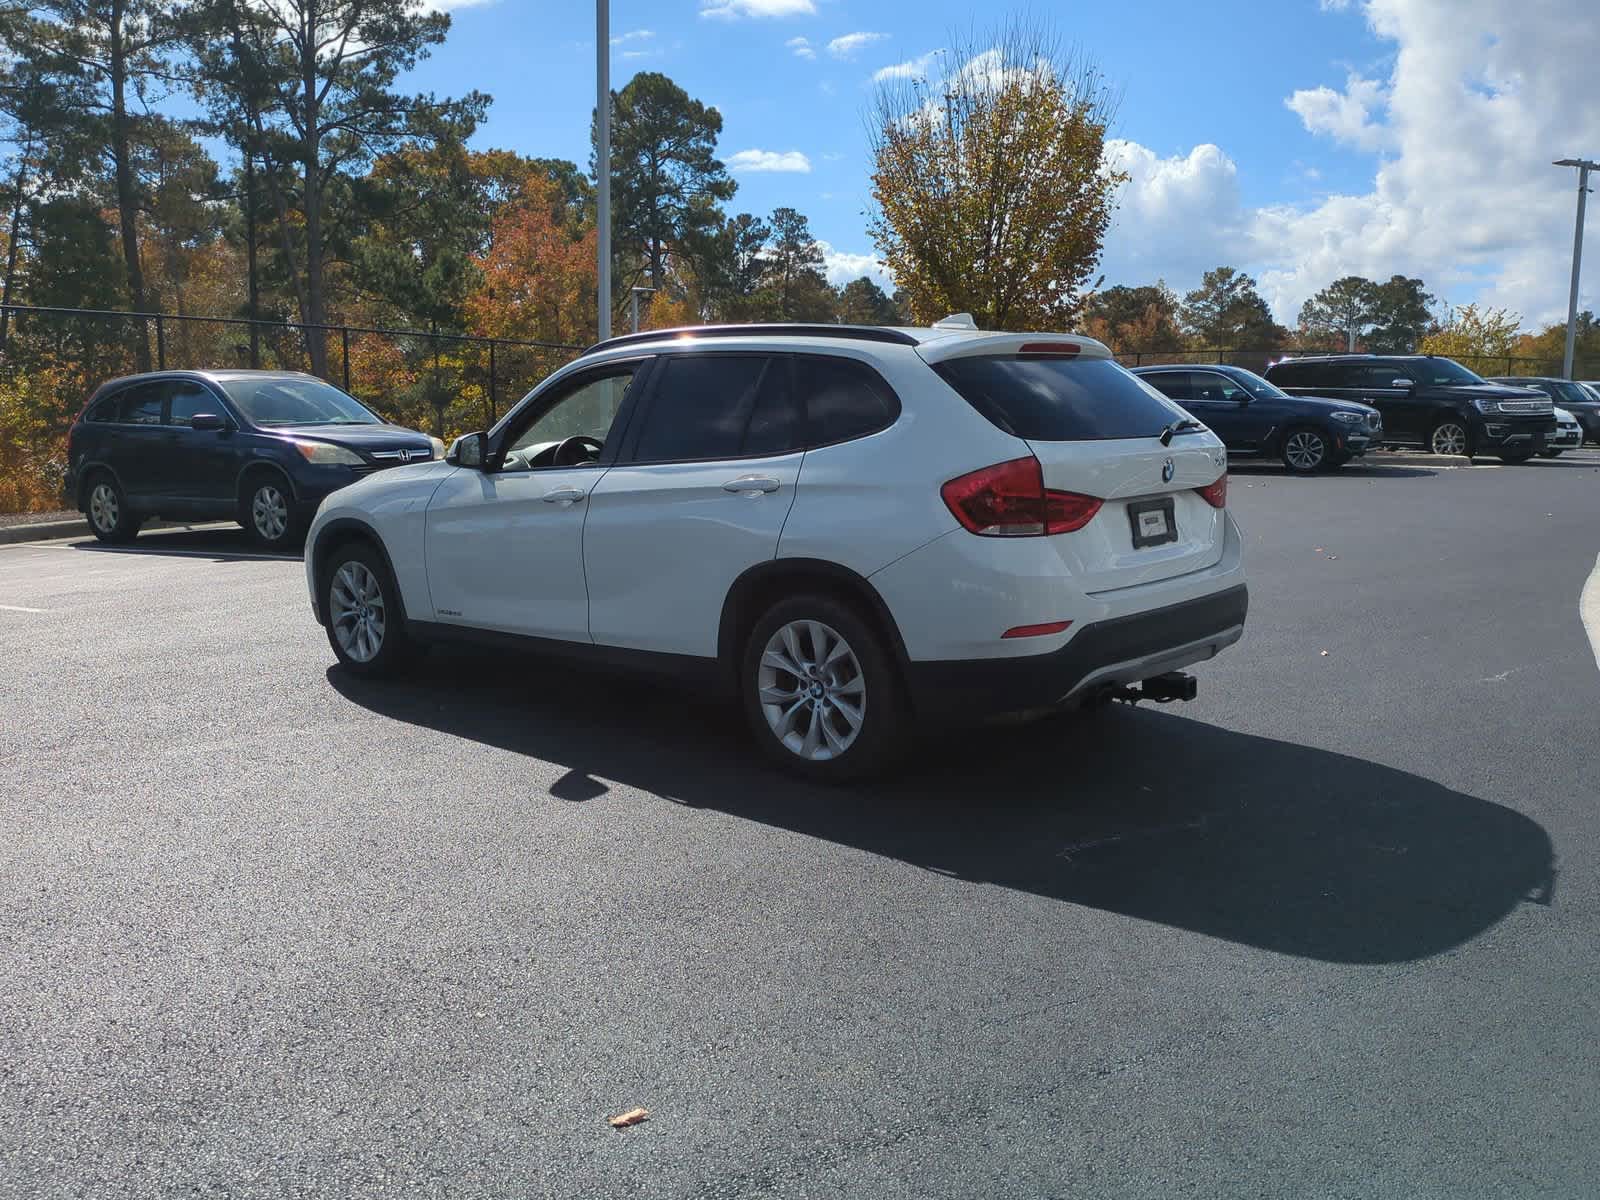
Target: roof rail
860,333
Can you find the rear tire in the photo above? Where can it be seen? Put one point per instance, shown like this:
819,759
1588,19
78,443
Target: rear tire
109,516
365,620
266,510
820,690
1305,450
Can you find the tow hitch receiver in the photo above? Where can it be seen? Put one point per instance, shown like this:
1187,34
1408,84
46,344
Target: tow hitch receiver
1163,689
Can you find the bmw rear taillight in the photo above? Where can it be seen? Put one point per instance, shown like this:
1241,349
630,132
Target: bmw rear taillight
1009,499
1215,494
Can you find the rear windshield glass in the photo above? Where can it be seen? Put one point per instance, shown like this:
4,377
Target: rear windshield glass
288,401
1060,399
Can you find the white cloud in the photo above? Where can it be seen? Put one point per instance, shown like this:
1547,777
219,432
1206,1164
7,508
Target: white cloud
730,9
1477,103
801,47
840,266
849,44
751,161
912,68
633,35
1344,116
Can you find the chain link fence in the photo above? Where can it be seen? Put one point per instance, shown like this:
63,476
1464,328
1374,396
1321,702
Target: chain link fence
51,359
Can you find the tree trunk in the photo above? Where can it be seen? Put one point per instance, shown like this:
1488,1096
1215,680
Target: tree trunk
13,240
316,305
127,200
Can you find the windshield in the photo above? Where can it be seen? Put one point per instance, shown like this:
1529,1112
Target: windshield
281,401
1441,371
1257,386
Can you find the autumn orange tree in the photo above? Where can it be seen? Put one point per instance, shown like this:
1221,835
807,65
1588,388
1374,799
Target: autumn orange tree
537,279
990,180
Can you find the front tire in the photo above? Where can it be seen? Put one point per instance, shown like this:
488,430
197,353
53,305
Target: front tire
110,517
1451,437
365,620
1550,454
266,510
1305,451
820,691
1515,458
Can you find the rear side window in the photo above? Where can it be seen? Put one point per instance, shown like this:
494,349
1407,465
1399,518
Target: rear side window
1059,399
102,411
140,405
842,398
1174,385
708,406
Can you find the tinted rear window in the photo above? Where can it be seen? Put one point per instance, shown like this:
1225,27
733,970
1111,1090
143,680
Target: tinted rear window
716,406
842,398
1060,399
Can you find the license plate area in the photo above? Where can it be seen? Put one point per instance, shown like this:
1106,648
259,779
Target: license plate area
1153,522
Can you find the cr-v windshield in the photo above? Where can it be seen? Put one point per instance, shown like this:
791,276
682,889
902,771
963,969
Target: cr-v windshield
1440,371
1060,399
296,402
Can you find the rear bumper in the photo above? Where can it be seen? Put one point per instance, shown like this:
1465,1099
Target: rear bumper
1115,650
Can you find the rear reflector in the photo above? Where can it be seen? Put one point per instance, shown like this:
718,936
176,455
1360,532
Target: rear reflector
1044,630
1215,494
1009,499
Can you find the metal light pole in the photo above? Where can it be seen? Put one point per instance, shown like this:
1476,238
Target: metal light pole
1584,166
602,166
633,304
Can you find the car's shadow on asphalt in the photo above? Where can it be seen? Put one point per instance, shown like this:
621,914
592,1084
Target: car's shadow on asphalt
1147,813
1354,470
215,544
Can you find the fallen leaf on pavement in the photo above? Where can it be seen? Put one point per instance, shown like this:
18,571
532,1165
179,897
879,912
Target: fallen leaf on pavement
632,1117
1324,653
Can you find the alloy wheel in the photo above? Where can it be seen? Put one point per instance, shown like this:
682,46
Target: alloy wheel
1449,438
812,689
356,610
1305,451
103,507
270,512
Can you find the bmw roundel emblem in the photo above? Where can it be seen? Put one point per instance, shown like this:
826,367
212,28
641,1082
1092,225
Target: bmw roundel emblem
1168,469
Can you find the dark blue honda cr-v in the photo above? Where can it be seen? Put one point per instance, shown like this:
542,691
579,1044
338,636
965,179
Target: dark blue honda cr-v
260,447
1254,417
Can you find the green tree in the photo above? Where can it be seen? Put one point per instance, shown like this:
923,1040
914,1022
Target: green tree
729,266
1337,317
328,69
1227,312
1401,314
793,284
667,181
990,181
1134,319
863,302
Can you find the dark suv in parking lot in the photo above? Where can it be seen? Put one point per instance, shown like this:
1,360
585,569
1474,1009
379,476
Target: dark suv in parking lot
260,447
1253,417
1576,398
1430,402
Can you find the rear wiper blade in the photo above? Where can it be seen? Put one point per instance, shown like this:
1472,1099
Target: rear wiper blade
1186,425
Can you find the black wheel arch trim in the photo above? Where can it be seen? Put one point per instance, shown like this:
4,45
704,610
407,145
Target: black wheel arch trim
264,464
748,584
336,532
86,471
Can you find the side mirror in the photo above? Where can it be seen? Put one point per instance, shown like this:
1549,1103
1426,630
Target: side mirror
469,450
1403,384
207,423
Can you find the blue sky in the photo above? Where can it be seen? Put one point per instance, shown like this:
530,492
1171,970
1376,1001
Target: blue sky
1294,138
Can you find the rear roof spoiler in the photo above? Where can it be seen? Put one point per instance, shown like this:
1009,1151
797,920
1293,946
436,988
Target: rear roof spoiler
998,344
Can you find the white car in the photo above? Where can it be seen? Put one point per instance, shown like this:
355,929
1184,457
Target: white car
1568,435
848,528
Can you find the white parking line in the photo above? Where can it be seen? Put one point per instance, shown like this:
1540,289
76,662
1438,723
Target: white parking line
1589,609
20,608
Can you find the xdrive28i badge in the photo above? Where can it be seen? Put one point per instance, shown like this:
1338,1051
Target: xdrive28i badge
1168,468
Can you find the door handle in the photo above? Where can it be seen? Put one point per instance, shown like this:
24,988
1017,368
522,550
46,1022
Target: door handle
564,495
751,485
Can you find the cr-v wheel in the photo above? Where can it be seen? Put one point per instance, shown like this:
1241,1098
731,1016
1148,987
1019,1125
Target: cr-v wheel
1305,451
266,510
820,691
109,515
366,626
1450,437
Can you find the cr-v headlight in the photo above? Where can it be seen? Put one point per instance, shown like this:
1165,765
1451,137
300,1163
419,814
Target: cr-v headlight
1350,418
326,454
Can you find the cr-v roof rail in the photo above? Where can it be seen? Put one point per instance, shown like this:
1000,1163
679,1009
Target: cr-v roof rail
861,333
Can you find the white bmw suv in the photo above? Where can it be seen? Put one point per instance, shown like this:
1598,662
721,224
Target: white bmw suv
847,528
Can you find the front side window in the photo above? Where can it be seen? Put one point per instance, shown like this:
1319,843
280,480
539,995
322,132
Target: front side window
1217,388
586,409
276,401
1440,372
187,399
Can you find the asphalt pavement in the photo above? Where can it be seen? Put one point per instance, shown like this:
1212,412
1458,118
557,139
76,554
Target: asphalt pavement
1328,931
